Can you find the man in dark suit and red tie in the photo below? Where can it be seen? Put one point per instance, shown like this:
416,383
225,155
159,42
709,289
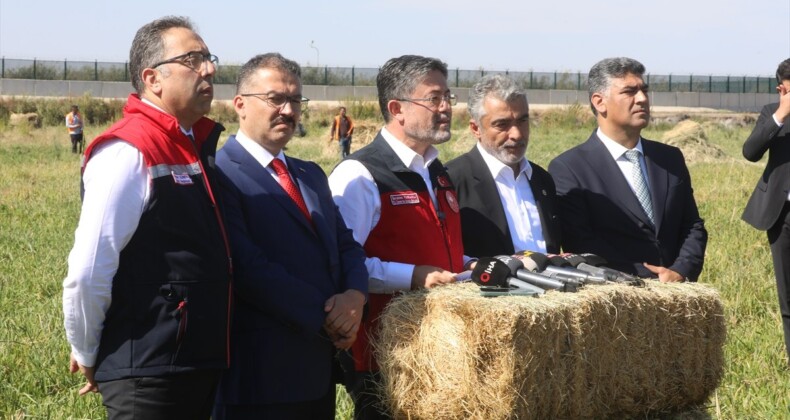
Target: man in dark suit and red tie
768,208
300,277
623,197
507,202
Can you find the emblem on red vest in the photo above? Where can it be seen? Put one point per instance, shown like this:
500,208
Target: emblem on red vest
451,200
181,179
404,198
443,181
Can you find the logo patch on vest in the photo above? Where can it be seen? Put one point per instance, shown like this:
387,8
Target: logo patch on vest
452,201
443,181
404,199
181,179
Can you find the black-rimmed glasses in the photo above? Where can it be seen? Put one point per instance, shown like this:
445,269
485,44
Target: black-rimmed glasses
435,100
278,100
192,59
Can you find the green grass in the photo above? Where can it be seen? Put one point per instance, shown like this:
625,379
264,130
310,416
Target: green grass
39,208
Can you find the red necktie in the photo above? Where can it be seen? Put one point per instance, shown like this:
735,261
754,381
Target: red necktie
289,186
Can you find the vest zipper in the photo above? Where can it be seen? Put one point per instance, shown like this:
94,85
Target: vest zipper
225,240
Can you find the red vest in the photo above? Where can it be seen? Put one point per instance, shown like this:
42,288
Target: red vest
410,230
171,292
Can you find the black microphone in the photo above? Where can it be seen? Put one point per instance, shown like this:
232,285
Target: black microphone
526,265
594,264
541,263
494,274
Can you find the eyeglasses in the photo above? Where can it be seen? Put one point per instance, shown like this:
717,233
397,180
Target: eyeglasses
192,59
435,100
278,100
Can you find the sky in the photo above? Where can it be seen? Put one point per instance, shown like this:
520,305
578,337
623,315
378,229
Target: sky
701,37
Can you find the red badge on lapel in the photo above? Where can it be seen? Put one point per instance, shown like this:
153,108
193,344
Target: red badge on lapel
451,200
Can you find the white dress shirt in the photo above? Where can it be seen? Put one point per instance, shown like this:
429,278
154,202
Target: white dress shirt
617,151
521,210
260,154
357,196
117,189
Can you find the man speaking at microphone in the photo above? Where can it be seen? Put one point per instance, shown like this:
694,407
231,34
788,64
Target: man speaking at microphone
507,202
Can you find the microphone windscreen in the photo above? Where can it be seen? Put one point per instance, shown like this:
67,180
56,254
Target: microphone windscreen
558,261
490,272
594,260
539,260
573,259
513,263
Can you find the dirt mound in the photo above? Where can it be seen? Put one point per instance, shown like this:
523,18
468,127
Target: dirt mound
689,136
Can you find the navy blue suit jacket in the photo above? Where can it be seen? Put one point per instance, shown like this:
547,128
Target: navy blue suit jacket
285,270
601,214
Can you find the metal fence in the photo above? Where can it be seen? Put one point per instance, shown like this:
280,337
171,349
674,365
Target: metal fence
352,76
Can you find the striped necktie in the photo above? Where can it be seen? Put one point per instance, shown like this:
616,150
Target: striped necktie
640,183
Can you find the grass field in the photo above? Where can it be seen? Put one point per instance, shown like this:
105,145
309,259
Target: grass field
39,208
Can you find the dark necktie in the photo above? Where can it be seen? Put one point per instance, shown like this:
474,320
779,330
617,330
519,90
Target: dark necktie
289,186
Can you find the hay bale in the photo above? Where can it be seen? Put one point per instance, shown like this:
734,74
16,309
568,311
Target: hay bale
607,351
29,119
689,136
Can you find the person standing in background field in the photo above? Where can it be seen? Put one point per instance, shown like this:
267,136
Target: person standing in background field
342,129
75,124
507,202
147,296
398,199
768,208
300,277
623,197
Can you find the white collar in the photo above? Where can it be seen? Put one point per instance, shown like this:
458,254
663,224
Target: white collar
616,149
496,166
405,153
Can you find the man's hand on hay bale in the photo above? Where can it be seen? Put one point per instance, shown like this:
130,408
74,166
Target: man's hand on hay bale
344,314
665,275
427,276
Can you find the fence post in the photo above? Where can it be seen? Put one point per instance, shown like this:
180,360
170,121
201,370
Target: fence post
670,82
95,70
710,83
126,71
728,84
65,60
2,68
691,85
743,85
530,79
326,76
34,69
352,75
554,83
456,77
578,81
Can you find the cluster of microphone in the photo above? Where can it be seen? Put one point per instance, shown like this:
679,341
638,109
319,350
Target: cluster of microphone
531,273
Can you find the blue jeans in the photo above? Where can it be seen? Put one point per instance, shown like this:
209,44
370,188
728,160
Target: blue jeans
345,146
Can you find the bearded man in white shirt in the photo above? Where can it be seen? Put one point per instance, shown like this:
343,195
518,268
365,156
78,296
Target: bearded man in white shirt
507,202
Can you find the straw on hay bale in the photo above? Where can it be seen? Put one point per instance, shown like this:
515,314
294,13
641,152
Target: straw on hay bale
607,351
689,136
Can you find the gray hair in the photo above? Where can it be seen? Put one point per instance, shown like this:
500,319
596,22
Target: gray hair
601,74
399,76
148,46
496,86
263,61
